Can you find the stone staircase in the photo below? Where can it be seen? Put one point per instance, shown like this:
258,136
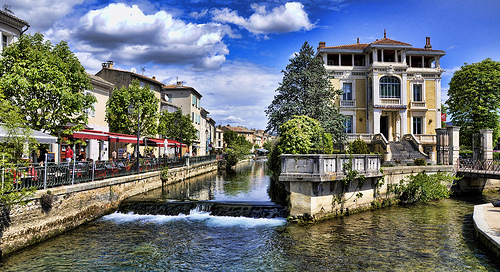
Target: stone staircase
403,152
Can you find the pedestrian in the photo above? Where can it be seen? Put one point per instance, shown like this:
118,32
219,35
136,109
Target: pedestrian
113,154
69,154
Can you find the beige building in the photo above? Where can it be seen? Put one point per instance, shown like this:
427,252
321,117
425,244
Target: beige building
389,87
188,100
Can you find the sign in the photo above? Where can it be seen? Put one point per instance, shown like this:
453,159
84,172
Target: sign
443,117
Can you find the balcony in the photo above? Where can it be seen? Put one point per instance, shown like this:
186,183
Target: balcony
390,101
347,103
418,105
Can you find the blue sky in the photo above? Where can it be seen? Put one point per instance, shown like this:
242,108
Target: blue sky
233,52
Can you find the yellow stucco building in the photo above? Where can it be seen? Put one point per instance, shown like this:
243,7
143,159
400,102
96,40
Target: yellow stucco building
389,87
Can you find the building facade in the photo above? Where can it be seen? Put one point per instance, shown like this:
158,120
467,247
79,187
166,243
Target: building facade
389,87
11,28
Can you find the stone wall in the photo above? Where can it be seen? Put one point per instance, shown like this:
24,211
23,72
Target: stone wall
72,206
316,187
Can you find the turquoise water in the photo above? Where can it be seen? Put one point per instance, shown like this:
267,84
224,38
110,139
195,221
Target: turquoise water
435,236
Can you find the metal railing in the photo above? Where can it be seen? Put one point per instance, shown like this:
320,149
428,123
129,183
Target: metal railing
49,175
471,165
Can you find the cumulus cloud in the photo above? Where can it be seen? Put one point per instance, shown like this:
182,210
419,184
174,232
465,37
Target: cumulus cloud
290,17
42,14
241,89
126,33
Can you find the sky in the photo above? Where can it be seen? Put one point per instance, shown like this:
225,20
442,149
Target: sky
233,52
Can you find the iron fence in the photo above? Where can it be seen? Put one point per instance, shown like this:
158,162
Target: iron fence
49,175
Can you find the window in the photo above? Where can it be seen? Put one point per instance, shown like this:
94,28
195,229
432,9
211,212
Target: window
417,92
390,87
168,98
192,117
348,124
4,41
417,125
347,91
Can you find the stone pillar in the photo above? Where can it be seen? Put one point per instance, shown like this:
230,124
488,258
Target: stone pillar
487,143
454,144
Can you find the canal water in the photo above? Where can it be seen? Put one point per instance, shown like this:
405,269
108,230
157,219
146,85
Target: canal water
436,236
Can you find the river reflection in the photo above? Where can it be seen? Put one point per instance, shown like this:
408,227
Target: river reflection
436,236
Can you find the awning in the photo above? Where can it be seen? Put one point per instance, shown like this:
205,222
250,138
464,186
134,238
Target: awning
156,142
90,134
173,143
41,137
124,138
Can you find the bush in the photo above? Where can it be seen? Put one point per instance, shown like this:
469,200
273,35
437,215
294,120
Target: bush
420,162
359,147
423,187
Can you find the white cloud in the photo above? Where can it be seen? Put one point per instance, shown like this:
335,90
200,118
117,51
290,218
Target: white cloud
239,89
290,17
42,14
125,34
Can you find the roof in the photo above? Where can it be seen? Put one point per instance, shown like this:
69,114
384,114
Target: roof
135,74
181,88
101,81
378,43
238,129
14,18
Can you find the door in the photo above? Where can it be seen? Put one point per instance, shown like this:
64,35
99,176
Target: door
384,126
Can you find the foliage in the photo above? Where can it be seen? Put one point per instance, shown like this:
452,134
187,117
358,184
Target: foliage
277,190
422,187
444,109
358,146
169,126
267,145
300,135
419,162
474,99
306,90
141,98
46,83
164,174
237,146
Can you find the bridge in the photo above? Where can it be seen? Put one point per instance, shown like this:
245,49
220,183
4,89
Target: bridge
479,168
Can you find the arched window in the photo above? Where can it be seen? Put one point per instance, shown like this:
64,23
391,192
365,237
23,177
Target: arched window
390,87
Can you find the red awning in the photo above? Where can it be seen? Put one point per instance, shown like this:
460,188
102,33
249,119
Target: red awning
124,138
156,142
172,143
90,134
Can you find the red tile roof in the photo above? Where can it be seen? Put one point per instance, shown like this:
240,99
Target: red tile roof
389,42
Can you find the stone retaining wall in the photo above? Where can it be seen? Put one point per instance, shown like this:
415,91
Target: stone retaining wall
72,206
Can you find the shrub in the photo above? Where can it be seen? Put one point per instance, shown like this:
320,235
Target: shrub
420,162
359,147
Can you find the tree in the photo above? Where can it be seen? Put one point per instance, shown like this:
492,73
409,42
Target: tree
121,120
307,90
170,125
300,135
237,146
46,83
474,99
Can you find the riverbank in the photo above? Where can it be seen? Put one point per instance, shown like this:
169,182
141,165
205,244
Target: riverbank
60,209
487,225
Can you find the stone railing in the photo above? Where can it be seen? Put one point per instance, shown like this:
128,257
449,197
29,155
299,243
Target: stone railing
348,103
426,138
418,105
319,167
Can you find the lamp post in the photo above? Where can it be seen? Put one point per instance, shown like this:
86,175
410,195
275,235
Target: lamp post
131,110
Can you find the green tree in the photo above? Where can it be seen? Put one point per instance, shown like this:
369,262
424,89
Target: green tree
18,141
306,89
121,120
237,146
169,126
300,135
474,99
46,83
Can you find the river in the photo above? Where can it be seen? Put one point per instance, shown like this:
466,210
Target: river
435,236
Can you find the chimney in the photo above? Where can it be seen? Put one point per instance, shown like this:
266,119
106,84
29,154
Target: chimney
154,78
428,43
104,65
110,64
358,41
322,45
179,83
385,34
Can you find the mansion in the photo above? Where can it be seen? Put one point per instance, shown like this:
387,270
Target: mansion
389,87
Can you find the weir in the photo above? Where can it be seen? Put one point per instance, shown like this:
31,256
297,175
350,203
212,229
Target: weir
251,209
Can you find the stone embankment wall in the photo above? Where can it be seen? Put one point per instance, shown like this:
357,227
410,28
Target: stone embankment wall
71,206
316,183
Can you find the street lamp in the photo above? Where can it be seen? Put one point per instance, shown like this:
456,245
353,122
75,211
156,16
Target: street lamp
131,110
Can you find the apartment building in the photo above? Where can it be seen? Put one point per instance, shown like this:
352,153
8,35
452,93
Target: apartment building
11,28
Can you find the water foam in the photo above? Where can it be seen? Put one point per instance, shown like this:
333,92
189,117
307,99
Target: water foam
196,216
